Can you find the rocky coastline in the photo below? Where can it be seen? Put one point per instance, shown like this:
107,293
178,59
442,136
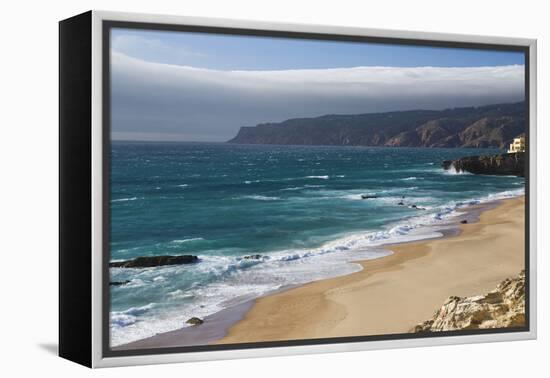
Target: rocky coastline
472,127
511,164
501,308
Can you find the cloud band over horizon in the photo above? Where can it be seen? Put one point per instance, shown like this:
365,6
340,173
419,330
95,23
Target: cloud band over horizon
156,101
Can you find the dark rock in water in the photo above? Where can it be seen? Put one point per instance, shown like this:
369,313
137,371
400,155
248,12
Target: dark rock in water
504,164
401,203
252,257
151,261
195,321
464,221
368,196
119,283
414,206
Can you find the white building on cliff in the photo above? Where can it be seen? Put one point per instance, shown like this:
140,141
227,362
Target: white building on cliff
518,145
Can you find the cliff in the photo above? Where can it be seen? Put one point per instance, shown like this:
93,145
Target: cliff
502,307
503,164
485,126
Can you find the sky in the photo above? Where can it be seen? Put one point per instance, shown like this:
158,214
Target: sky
181,86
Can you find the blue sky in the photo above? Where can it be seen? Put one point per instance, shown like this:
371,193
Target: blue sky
227,52
179,86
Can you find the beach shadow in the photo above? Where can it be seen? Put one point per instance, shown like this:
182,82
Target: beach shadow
51,348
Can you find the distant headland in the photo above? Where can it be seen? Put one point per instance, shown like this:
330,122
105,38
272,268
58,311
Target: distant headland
490,126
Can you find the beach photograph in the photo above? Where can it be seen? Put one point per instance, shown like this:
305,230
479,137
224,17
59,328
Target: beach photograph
276,189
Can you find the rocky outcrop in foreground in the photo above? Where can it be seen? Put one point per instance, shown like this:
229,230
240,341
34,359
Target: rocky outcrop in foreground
503,164
151,261
502,307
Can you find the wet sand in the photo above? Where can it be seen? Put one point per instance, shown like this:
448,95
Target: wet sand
390,295
394,293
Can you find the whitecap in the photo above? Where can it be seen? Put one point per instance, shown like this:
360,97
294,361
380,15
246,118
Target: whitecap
179,241
124,199
129,316
262,198
245,279
318,177
180,294
452,171
122,320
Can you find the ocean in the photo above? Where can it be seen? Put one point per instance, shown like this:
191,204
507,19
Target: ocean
300,208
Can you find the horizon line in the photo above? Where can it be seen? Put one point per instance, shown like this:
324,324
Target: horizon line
319,116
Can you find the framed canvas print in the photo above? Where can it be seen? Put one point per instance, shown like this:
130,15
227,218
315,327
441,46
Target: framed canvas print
233,189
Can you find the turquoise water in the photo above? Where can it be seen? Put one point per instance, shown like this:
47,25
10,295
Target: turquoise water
299,207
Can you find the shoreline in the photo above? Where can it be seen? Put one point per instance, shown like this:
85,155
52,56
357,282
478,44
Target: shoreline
394,293
227,325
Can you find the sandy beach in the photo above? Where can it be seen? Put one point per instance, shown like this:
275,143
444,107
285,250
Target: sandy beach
390,295
394,293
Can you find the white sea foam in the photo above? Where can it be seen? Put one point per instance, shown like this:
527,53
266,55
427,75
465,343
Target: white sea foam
179,241
236,279
262,198
119,320
124,199
504,195
325,177
179,294
134,283
356,196
384,196
452,171
239,279
294,188
129,316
